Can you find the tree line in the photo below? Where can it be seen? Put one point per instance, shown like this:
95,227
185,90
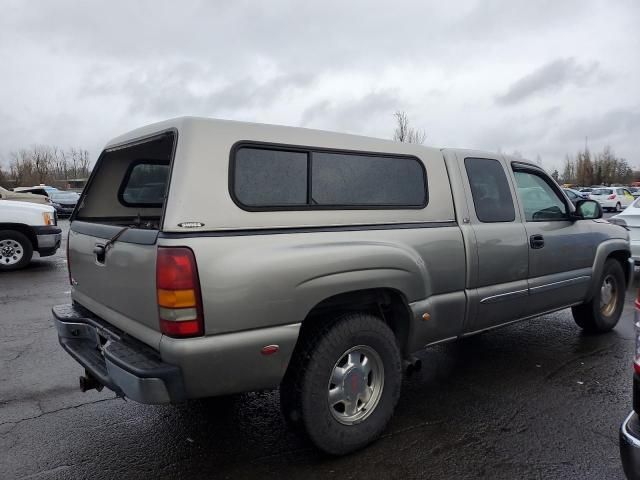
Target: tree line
45,164
603,168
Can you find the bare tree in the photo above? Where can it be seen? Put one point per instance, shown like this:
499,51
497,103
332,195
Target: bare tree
46,164
404,132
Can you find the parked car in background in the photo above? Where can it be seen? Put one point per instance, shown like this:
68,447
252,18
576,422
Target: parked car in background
24,228
612,198
63,201
39,189
24,197
635,191
66,200
630,219
575,195
237,257
586,190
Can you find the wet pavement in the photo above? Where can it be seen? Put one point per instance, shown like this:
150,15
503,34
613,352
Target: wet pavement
538,399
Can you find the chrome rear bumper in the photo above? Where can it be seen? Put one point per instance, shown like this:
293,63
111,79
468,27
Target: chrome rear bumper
120,363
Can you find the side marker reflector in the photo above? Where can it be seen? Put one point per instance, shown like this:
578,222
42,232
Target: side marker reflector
270,349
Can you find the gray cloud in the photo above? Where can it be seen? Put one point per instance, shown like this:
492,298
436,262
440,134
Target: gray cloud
79,73
352,115
550,77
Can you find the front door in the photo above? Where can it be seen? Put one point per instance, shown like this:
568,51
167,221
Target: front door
561,249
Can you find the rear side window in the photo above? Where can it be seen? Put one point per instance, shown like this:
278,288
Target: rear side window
342,179
490,190
144,185
270,178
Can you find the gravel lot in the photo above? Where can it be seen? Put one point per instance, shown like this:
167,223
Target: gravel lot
538,399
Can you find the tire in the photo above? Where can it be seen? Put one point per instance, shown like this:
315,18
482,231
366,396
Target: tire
618,207
342,351
593,316
15,250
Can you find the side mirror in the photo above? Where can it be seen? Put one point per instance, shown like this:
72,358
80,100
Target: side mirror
587,210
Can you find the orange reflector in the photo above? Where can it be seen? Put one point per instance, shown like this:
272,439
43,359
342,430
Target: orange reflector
176,298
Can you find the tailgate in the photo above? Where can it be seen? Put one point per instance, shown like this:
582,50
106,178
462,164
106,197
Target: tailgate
118,285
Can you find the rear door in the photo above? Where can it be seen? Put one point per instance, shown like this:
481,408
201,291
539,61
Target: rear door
498,285
561,250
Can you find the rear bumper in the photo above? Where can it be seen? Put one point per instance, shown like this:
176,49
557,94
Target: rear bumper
630,446
608,203
119,362
65,211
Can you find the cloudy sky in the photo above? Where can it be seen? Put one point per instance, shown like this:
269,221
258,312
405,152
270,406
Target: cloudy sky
533,76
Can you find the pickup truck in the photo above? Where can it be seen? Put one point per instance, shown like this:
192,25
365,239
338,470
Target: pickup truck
210,257
24,228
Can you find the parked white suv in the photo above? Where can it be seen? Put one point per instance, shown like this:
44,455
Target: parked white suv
25,228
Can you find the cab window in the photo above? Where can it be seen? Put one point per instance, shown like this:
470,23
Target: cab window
539,200
489,190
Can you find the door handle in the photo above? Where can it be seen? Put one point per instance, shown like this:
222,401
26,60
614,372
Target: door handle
536,241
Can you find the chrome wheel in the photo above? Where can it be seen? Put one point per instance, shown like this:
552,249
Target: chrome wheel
11,252
618,207
355,385
608,295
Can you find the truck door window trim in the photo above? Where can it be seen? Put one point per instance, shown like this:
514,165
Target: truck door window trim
538,172
310,205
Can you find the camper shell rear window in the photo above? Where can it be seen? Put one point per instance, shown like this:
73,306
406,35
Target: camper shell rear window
129,184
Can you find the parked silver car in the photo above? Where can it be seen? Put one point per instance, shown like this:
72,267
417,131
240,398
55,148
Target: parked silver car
210,257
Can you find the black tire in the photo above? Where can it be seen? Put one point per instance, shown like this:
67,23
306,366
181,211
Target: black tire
304,393
618,207
592,317
24,248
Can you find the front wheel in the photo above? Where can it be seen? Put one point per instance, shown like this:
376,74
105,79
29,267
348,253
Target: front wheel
343,383
15,250
618,207
603,311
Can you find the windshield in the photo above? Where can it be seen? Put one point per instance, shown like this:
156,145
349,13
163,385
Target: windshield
602,191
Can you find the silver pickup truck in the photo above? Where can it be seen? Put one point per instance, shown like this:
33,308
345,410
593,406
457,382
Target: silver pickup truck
210,257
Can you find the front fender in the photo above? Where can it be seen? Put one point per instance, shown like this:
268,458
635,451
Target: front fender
604,251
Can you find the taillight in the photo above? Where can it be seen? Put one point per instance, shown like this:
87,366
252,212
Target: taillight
178,289
612,196
636,357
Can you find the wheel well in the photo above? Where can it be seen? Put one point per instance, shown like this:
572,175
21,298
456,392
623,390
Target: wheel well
387,303
623,258
24,229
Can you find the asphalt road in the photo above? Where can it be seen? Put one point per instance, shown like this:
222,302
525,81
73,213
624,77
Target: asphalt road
538,399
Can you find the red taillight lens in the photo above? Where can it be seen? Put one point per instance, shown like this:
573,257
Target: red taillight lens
178,293
636,357
612,197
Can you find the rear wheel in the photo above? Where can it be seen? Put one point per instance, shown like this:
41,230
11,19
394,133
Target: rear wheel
618,207
15,250
343,383
603,311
